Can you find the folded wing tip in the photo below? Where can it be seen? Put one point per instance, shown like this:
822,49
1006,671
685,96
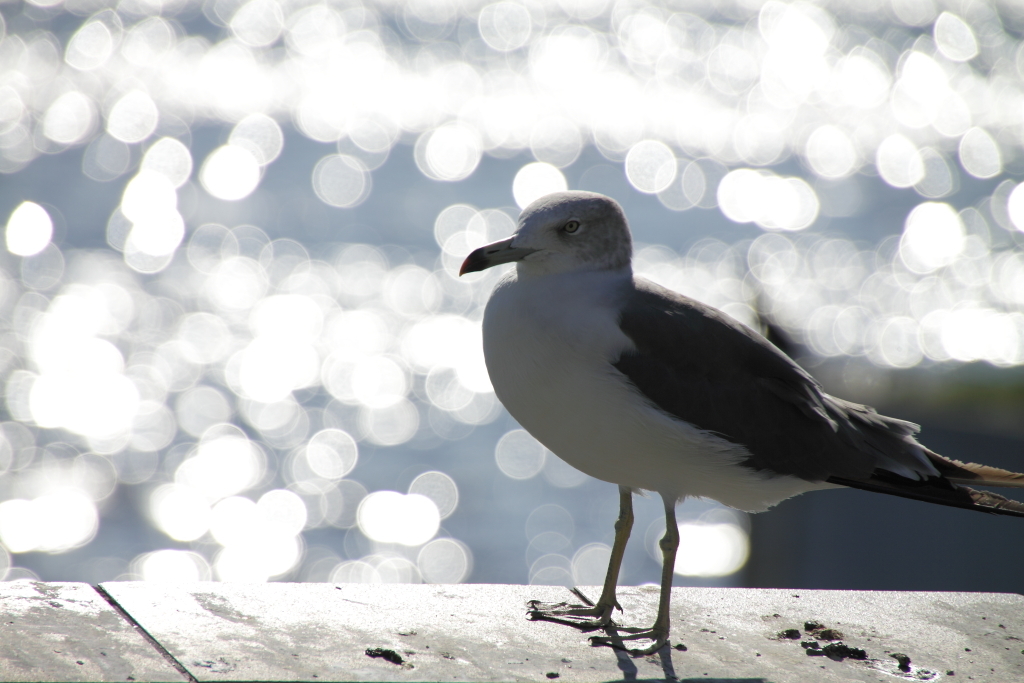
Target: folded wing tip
939,491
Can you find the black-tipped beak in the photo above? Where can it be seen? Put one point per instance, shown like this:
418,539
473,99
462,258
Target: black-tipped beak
493,254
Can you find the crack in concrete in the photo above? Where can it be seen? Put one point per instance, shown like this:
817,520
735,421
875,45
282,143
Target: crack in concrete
178,666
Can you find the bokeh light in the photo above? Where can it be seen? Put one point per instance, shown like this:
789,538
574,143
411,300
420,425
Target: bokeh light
233,233
133,118
505,26
933,237
441,489
341,180
170,158
713,540
29,229
899,161
650,166
711,549
231,172
535,180
444,560
57,521
259,134
590,563
70,118
450,152
519,455
172,566
747,195
390,517
979,154
831,153
954,38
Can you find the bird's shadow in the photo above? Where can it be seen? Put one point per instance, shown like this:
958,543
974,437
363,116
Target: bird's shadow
626,664
702,679
625,656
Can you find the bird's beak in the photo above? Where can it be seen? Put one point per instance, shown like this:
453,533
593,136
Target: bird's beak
494,254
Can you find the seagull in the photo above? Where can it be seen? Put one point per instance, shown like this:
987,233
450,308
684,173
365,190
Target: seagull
640,386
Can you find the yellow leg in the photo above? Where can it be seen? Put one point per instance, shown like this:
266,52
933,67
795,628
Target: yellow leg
623,527
659,633
591,616
669,545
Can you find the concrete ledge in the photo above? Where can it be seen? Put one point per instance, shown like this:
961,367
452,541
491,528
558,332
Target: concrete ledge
321,632
69,632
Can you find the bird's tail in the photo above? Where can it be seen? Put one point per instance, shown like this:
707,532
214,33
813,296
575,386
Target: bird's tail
973,473
948,489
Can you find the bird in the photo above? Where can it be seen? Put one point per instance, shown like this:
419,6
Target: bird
643,387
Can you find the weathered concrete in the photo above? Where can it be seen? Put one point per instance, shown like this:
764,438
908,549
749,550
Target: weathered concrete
68,632
320,632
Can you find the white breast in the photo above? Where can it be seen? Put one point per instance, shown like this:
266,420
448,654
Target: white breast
550,342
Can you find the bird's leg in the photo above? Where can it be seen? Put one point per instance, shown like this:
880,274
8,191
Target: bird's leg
590,616
623,527
659,632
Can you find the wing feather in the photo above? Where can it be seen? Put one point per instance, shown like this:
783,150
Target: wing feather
701,366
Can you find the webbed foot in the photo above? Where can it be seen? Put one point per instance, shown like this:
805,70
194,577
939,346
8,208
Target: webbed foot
586,617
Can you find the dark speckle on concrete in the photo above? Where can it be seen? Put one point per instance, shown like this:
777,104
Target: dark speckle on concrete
904,660
840,651
220,665
829,634
385,654
822,632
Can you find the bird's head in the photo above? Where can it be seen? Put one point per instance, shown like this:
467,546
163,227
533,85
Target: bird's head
562,232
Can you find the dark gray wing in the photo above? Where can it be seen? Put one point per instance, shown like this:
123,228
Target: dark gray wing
700,365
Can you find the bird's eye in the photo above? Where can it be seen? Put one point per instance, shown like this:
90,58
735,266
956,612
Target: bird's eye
571,226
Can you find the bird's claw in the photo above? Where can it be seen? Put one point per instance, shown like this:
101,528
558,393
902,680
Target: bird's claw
591,617
586,617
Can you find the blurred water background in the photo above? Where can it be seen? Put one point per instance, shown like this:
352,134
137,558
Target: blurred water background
233,342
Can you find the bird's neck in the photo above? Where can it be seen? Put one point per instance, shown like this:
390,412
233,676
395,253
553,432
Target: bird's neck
527,271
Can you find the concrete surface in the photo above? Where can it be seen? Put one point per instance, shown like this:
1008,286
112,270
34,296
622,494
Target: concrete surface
69,632
321,632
